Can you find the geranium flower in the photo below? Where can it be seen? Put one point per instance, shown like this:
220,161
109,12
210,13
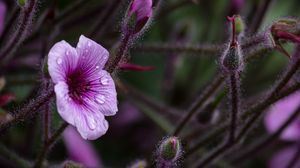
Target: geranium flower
85,93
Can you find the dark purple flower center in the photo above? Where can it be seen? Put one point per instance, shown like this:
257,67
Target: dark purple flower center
78,86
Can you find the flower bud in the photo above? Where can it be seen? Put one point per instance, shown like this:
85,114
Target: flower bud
239,25
169,152
232,59
138,14
138,164
21,3
286,29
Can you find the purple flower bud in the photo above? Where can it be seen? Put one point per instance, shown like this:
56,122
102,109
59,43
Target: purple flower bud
139,13
232,59
169,152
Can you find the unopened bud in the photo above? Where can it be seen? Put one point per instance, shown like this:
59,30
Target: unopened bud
232,59
239,25
21,3
169,152
138,15
138,164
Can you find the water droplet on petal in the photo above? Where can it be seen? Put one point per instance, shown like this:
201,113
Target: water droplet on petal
86,50
89,44
104,80
92,123
59,61
97,67
100,99
67,53
79,46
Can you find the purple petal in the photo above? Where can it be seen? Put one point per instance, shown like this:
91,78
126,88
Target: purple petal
107,95
283,157
91,125
80,150
91,54
62,59
280,112
2,15
65,107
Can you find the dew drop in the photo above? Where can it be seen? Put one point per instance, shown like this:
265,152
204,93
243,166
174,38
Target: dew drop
100,99
89,44
59,61
67,53
104,81
97,67
86,50
92,123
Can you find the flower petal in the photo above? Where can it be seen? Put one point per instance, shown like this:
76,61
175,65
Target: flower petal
65,106
62,59
91,125
280,112
79,149
91,54
107,95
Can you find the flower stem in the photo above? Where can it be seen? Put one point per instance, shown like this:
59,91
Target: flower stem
9,23
100,25
198,103
234,91
122,51
48,144
9,155
254,148
28,110
258,108
258,18
25,17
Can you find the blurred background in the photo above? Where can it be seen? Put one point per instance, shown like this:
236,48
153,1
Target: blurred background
178,77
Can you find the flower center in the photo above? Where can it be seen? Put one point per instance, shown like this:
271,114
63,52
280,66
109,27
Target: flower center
78,86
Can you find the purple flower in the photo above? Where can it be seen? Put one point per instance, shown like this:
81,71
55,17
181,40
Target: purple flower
85,93
280,112
2,15
80,150
283,157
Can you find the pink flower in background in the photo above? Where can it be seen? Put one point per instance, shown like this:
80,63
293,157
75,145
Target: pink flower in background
2,15
80,150
85,93
274,119
283,157
280,112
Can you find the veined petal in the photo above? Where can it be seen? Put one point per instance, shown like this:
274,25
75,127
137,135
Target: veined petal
92,56
65,105
62,60
91,125
106,97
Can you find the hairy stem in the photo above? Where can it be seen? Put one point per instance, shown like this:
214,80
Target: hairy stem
234,93
13,157
28,110
42,155
25,18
